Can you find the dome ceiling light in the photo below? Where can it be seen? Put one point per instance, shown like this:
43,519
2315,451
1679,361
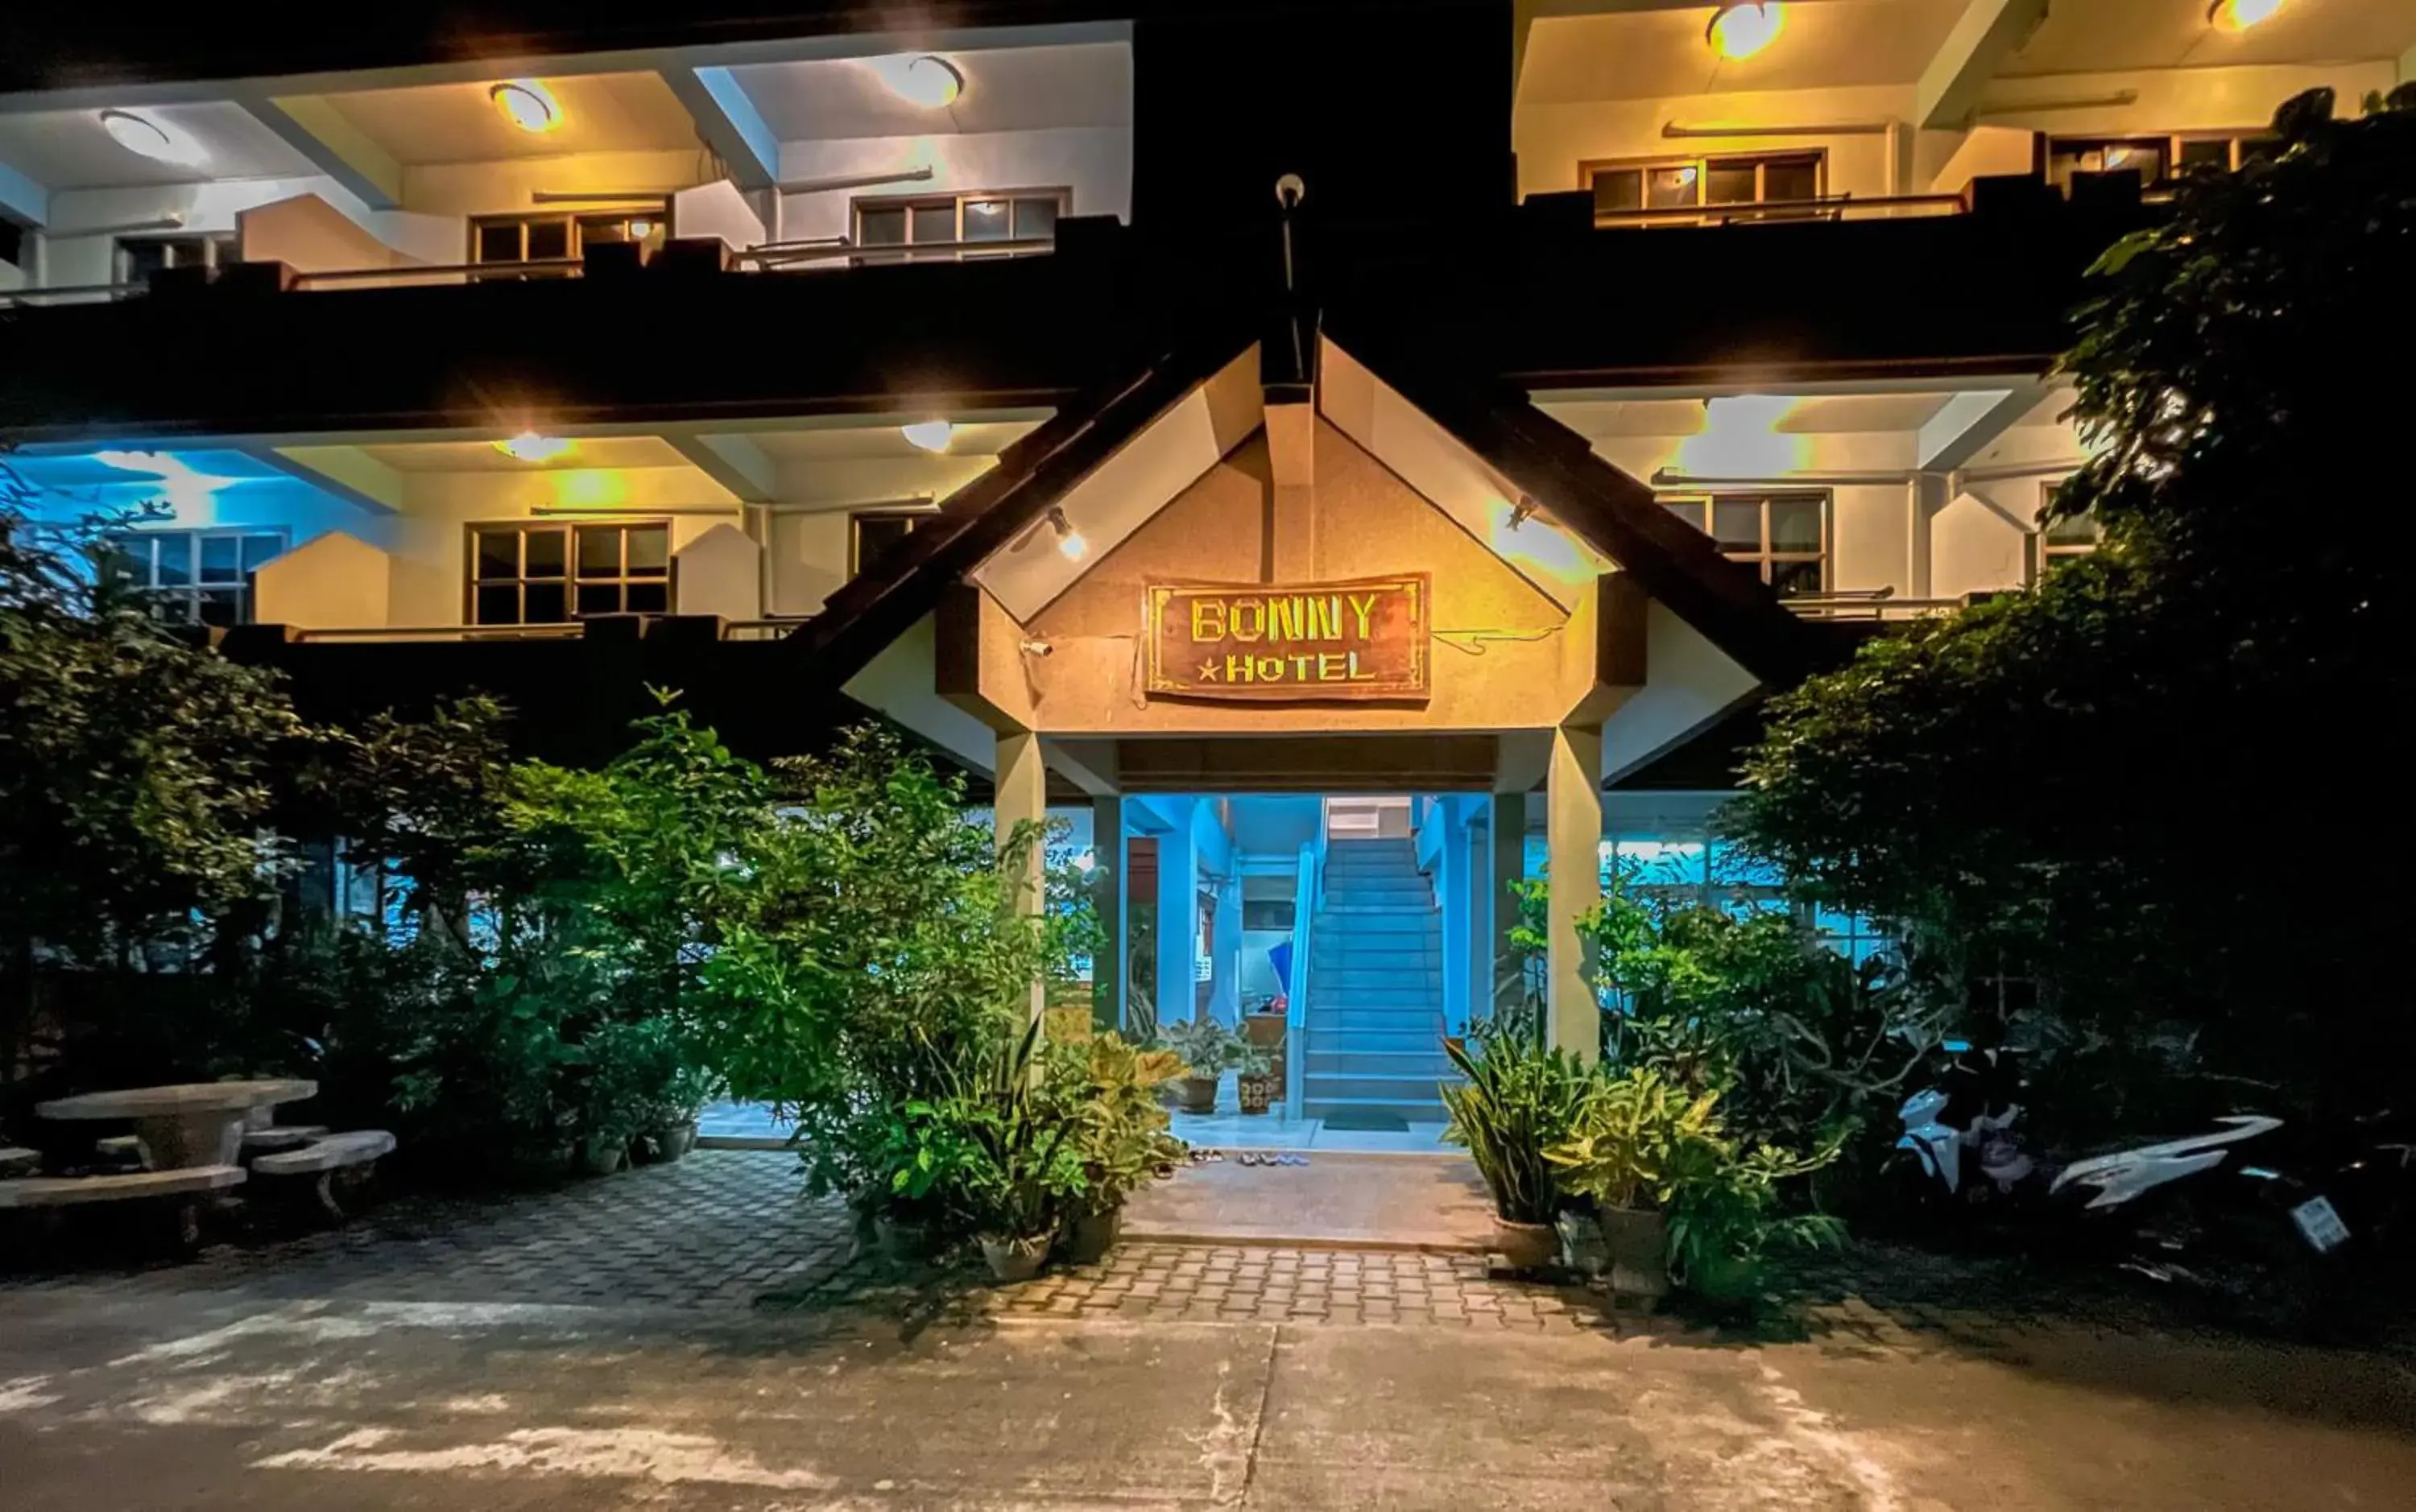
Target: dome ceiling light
1741,28
527,104
528,447
2238,15
147,137
923,79
930,435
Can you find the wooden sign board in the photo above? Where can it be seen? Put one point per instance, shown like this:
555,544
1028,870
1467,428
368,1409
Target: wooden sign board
1288,642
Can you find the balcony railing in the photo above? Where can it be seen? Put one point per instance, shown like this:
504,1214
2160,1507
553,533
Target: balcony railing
1871,604
636,626
1796,212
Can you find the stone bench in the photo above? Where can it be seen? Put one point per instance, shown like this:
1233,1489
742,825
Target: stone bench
327,1159
276,1138
180,1188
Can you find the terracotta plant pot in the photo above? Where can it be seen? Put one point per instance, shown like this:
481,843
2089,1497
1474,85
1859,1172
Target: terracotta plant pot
1198,1094
1583,1249
1639,1251
1013,1259
661,1147
903,1238
1525,1245
601,1157
1089,1239
1258,1093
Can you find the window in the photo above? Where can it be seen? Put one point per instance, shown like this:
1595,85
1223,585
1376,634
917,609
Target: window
547,238
1784,536
2157,159
1689,183
555,574
872,532
140,257
2058,541
991,215
193,577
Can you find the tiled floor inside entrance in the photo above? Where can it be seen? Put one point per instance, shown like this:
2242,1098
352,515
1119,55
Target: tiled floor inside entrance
1226,1128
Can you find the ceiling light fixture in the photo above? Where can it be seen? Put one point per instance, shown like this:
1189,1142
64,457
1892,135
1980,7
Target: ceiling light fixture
1069,540
154,139
930,435
921,79
2238,15
1741,28
528,447
526,104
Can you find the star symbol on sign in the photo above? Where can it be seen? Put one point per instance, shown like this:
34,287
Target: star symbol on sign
1207,671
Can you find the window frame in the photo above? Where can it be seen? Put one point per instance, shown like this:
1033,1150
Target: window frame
525,526
2044,556
2168,143
574,221
1703,163
220,249
192,593
856,518
1764,558
956,199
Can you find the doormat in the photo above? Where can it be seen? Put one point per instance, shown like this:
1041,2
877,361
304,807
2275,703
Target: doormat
1366,1121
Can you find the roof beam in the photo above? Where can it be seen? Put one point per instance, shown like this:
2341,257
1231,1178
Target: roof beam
729,122
22,199
734,462
311,125
347,471
1971,422
1986,35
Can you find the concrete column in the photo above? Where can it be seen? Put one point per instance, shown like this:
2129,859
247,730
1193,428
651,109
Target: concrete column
1477,845
1225,1000
1023,797
1509,864
1114,969
1573,836
1178,922
1455,892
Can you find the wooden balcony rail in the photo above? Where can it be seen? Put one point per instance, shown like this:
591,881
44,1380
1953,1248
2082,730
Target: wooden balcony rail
1769,212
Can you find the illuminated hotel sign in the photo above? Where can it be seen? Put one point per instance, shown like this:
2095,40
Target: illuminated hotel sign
1304,642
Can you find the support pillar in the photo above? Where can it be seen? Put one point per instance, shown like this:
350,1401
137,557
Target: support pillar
1178,918
1573,836
1456,891
1509,864
1022,796
1114,969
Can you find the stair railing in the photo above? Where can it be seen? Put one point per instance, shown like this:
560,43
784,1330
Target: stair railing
1306,891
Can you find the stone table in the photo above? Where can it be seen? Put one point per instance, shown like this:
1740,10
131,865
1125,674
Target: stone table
200,1123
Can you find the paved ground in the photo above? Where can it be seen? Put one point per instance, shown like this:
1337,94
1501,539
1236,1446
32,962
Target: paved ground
693,1338
1428,1202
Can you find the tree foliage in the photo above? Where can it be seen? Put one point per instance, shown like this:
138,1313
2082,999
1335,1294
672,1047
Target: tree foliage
2164,784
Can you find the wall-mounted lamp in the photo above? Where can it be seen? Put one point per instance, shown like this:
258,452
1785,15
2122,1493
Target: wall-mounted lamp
1522,512
2238,15
526,104
921,79
1741,28
1036,646
148,137
1069,540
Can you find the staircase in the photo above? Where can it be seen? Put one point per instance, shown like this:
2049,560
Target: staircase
1374,1018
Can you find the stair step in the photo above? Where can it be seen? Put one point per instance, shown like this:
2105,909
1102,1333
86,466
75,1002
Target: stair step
1325,1041
1429,1064
1409,977
1423,1020
1408,1086
1423,1111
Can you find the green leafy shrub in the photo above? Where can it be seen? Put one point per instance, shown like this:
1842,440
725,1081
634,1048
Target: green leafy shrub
1520,1101
1210,1048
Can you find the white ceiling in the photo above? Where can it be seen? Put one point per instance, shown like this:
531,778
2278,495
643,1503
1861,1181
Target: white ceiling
1007,89
2112,35
1803,414
459,123
886,441
71,150
1656,54
481,456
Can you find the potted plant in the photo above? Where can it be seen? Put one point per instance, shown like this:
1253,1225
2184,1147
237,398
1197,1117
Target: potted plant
1258,1079
1122,1134
1638,1137
1019,1170
1209,1050
1519,1099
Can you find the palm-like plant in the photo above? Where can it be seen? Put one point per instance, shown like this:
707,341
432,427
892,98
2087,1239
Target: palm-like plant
1519,1099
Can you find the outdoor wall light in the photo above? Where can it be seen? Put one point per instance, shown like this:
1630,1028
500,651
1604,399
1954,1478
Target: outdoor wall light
528,447
526,104
1069,540
1741,28
921,79
930,435
1036,646
1522,512
2238,15
156,139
